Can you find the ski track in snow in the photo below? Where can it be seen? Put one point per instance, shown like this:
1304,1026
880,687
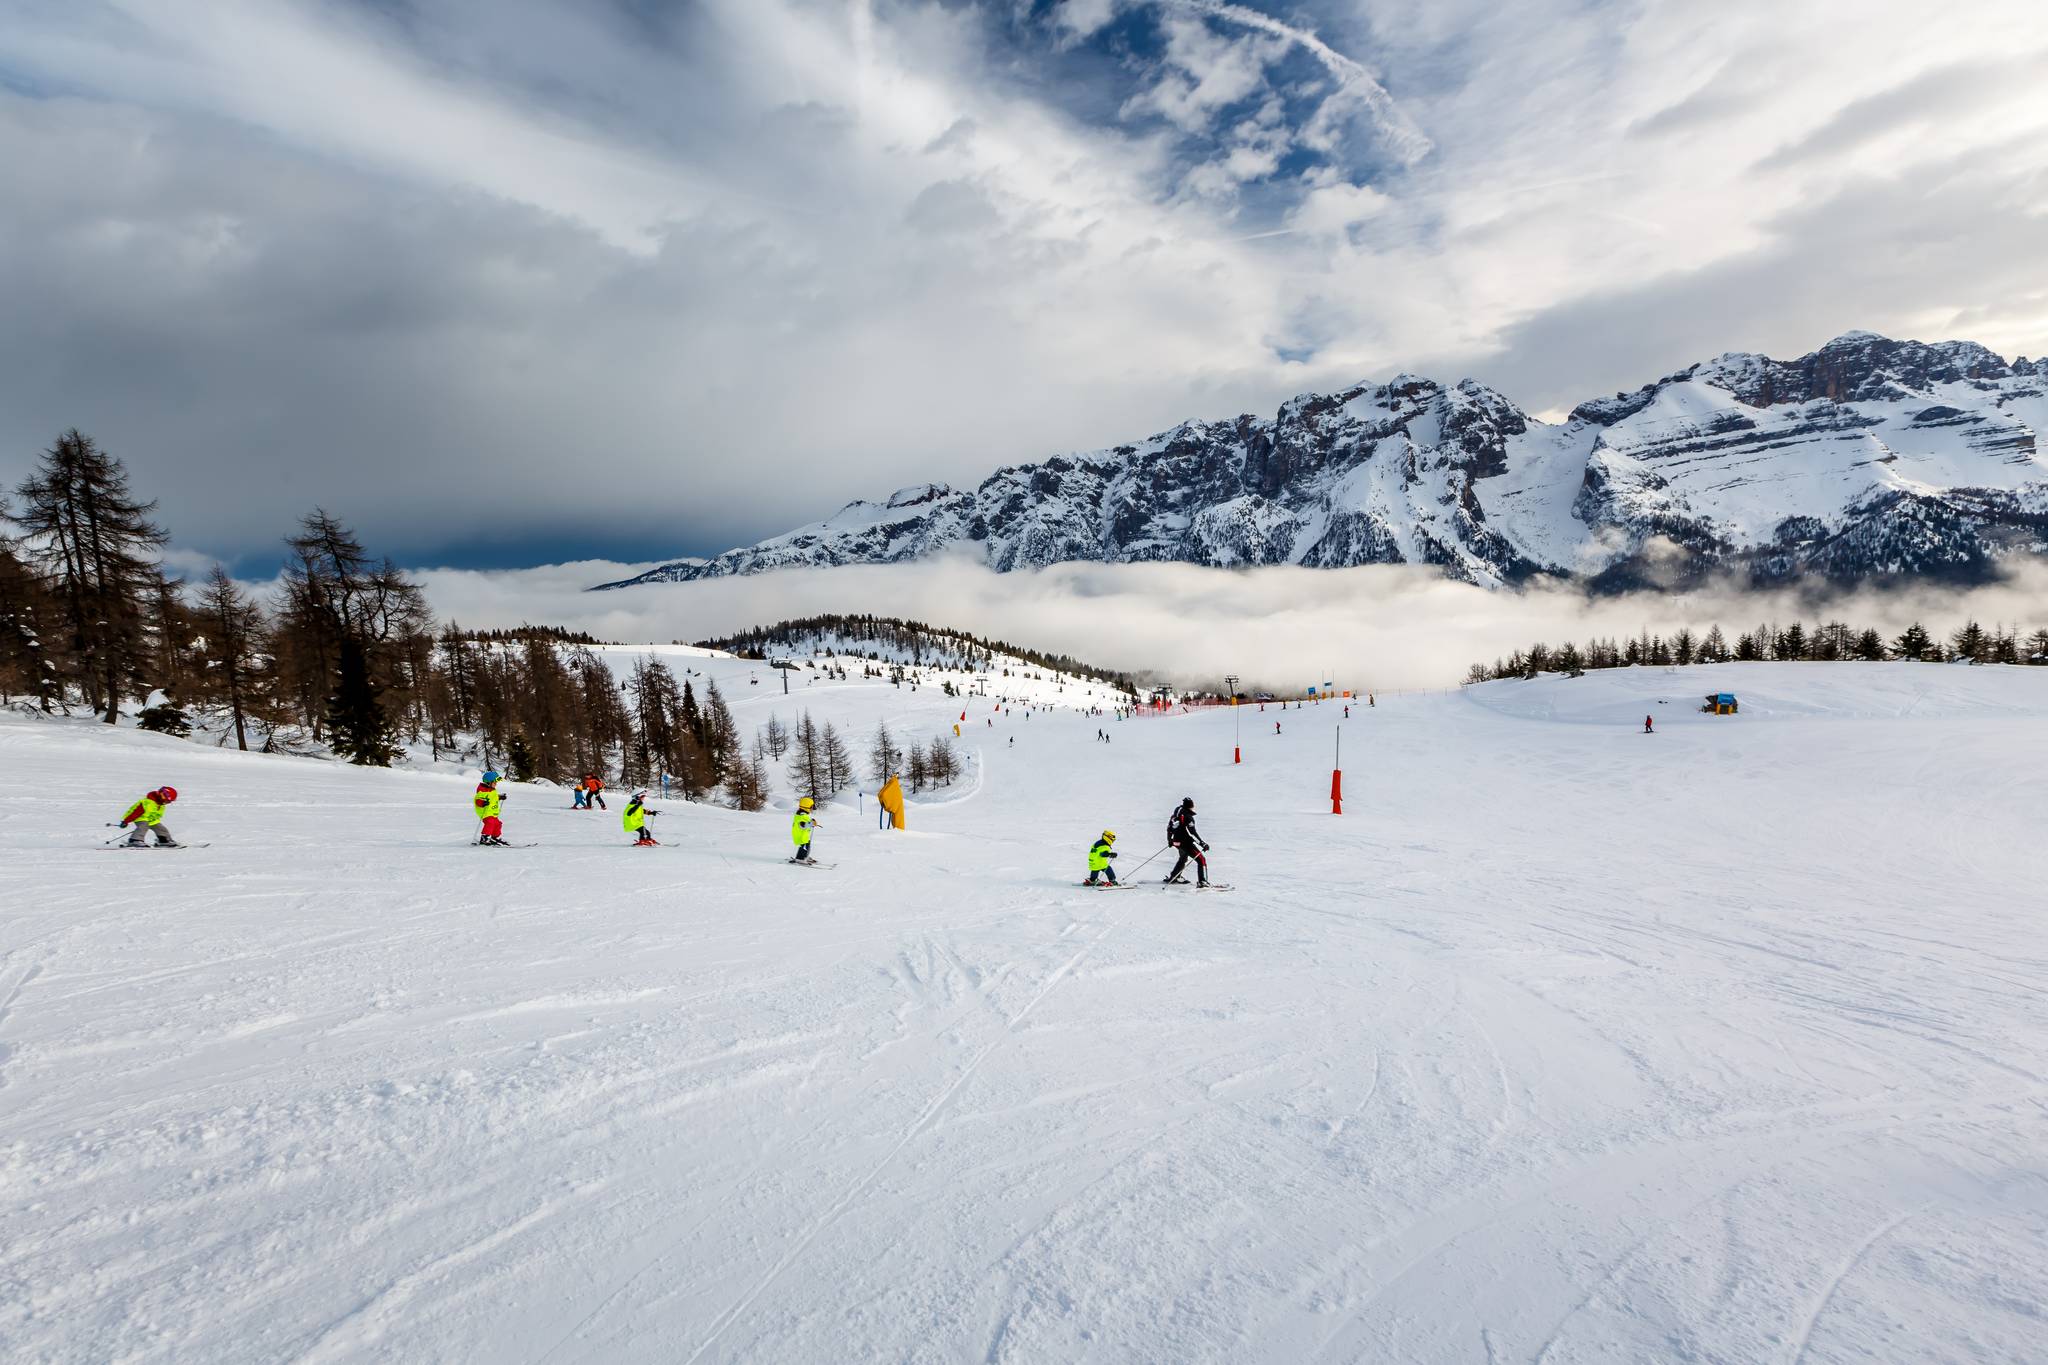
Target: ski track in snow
1562,1045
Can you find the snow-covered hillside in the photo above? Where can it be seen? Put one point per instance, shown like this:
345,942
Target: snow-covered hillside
1563,1042
1867,458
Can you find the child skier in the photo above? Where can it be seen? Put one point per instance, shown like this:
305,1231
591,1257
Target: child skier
636,820
1098,859
1648,727
489,800
148,814
800,830
1182,838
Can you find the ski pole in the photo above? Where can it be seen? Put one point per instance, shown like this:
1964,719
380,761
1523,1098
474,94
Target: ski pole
1141,866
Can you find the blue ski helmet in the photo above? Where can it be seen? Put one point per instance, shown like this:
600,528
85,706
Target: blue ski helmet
490,776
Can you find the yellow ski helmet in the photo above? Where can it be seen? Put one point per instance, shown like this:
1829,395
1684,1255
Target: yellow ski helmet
1109,836
804,804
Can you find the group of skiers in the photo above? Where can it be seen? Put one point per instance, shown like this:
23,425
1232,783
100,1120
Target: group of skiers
488,801
1181,837
147,815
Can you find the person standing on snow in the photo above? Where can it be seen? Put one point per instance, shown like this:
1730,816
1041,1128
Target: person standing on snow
800,828
148,814
595,788
1098,859
1648,728
1182,837
636,820
489,801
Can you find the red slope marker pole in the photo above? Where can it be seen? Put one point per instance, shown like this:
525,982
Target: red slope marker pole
1337,778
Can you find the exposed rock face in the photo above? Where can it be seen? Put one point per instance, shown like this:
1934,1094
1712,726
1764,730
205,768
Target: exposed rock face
1869,458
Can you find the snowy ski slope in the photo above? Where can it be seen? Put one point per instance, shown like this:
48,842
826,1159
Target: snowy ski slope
1564,1042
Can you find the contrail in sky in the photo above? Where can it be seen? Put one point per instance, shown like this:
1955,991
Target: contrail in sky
1406,140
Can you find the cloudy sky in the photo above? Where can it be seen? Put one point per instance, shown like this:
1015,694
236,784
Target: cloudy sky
511,283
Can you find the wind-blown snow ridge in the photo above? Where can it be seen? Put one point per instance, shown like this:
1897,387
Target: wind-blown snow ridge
1868,458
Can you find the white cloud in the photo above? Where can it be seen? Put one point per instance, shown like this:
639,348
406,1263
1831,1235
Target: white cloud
1381,627
1202,73
1332,210
1080,18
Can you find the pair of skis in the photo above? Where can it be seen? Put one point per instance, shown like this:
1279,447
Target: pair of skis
1125,886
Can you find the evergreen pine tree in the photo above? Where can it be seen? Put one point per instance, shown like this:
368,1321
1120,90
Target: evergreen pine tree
1970,642
1913,642
519,758
357,727
721,735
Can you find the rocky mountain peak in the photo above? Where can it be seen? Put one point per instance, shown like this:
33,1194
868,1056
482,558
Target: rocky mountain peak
1867,457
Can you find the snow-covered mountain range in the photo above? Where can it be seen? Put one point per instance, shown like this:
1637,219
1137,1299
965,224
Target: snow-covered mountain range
1869,458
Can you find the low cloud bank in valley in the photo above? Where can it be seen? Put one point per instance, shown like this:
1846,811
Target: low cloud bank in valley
1385,627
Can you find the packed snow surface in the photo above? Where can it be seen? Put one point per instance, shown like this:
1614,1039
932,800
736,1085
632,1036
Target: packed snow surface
1564,1042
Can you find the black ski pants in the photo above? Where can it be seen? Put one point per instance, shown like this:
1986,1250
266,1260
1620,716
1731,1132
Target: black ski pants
1189,851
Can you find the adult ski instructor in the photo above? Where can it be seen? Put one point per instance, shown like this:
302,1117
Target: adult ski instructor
1182,837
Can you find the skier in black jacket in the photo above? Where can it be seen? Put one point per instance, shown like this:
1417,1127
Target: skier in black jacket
1183,839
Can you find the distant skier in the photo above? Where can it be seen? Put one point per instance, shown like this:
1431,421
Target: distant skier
489,801
1276,727
594,792
1649,727
800,830
582,795
148,814
636,820
1182,837
1099,857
